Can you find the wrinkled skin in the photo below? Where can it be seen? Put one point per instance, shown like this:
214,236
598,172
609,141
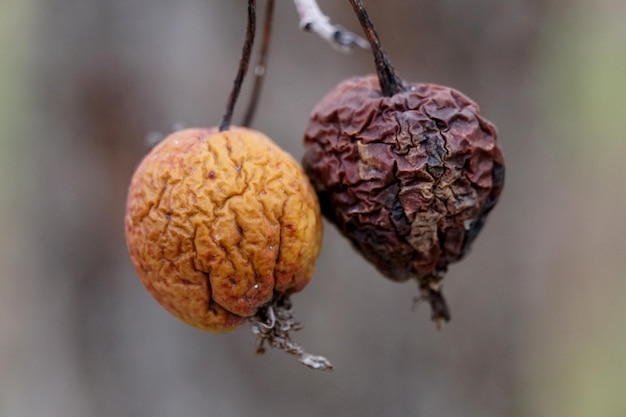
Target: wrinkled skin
409,179
217,224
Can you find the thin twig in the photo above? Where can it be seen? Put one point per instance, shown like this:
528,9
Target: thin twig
261,67
313,20
390,83
243,66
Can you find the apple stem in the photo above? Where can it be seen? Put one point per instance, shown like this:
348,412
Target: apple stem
261,66
390,83
243,66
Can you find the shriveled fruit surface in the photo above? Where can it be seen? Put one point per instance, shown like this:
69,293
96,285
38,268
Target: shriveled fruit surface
218,223
409,179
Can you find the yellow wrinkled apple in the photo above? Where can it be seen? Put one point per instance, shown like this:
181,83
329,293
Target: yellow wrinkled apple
220,223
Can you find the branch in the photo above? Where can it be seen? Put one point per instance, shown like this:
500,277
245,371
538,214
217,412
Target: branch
313,20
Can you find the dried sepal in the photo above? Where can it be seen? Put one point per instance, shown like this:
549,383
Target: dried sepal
273,325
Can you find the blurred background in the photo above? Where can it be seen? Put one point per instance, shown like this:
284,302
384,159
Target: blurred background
539,311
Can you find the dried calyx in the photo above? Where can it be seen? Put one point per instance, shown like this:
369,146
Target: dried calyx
408,172
272,326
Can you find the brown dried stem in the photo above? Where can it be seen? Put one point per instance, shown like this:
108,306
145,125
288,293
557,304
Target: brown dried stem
261,67
272,325
390,83
243,66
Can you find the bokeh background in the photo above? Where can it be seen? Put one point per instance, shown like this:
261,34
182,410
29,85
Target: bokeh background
539,307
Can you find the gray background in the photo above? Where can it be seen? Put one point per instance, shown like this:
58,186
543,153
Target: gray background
538,307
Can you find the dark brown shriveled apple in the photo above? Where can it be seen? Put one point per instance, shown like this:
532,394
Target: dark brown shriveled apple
409,178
